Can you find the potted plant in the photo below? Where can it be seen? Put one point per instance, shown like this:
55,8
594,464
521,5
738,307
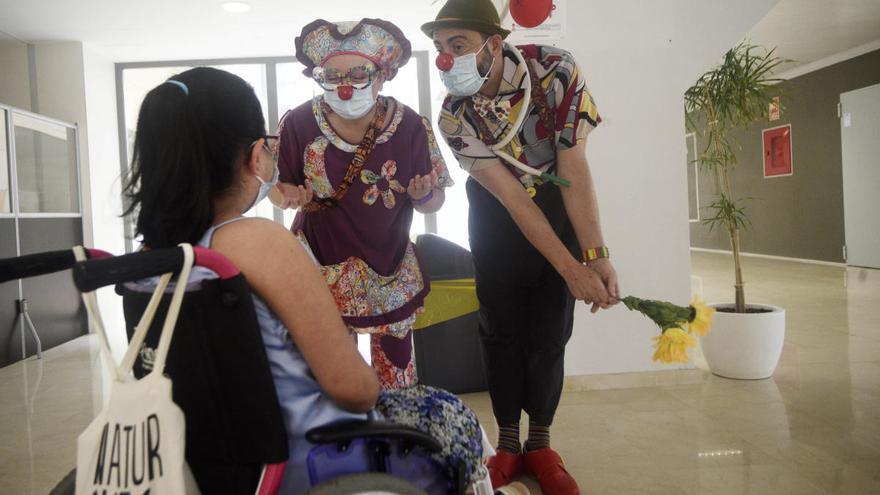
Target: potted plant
747,339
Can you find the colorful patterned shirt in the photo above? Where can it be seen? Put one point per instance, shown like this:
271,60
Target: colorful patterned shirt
568,100
363,243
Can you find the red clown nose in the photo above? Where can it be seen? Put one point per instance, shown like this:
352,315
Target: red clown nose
530,13
444,62
345,92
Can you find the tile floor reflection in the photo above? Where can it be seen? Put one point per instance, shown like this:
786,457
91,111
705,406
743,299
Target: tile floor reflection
813,428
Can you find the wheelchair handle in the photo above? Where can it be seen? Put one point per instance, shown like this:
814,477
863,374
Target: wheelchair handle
32,265
94,274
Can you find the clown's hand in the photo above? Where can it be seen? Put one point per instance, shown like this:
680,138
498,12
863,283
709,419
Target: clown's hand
420,186
606,271
286,196
587,285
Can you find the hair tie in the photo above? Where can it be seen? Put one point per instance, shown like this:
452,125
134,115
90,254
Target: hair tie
180,85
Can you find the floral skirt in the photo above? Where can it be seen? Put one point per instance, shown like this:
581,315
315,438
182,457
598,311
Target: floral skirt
385,307
371,303
443,416
394,361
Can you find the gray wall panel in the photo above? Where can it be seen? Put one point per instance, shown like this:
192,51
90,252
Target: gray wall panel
8,295
800,216
54,302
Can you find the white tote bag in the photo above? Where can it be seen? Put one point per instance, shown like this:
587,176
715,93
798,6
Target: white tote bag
136,443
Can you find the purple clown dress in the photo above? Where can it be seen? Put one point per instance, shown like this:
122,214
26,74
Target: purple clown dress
363,243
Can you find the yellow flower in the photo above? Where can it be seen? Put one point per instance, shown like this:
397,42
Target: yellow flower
702,322
672,346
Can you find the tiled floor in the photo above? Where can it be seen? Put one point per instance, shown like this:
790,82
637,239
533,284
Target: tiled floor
45,405
813,428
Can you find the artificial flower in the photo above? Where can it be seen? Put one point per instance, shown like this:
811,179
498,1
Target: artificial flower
702,321
672,346
673,343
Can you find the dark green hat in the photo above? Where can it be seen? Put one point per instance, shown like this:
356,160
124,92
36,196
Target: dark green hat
476,15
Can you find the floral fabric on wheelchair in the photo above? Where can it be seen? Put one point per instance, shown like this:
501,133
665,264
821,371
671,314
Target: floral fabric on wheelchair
443,416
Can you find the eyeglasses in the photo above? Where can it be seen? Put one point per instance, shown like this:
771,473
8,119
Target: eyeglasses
358,77
270,144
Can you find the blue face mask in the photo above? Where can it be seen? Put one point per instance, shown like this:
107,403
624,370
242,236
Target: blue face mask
265,187
464,78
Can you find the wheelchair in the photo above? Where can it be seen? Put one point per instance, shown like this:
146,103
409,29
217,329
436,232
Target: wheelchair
235,436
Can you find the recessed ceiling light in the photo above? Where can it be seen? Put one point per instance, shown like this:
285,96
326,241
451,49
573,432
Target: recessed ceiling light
236,7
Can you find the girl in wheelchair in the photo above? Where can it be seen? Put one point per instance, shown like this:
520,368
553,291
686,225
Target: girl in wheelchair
201,160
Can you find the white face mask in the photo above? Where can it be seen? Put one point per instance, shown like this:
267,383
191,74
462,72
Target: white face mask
464,78
265,187
360,103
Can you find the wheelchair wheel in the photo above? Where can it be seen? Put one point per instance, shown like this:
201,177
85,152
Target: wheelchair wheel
366,484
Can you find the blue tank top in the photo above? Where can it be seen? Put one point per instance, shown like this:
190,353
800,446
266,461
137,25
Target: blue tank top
303,403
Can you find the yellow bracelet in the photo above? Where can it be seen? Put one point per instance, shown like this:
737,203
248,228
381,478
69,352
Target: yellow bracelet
595,253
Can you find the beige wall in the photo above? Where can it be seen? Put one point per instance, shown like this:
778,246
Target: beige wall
15,89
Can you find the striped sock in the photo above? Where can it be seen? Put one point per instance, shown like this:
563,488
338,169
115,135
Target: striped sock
539,437
508,437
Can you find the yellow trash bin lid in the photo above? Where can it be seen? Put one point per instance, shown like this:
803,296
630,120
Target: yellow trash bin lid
447,300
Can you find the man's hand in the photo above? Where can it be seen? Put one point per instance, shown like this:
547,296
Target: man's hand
587,285
583,211
286,196
603,267
421,186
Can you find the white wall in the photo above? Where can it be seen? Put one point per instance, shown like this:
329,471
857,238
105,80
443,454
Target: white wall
638,57
104,179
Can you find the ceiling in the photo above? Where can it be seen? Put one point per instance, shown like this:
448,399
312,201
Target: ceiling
807,31
124,31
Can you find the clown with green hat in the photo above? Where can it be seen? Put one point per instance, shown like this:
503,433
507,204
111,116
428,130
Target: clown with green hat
517,120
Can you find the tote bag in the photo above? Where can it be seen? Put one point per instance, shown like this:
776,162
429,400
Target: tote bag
135,445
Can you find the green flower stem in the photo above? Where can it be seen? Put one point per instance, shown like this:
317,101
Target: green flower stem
559,181
665,314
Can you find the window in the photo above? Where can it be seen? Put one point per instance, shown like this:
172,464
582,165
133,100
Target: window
140,79
294,88
452,218
136,83
693,178
280,86
45,157
5,186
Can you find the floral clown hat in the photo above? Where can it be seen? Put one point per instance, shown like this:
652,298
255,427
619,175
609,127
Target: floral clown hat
380,42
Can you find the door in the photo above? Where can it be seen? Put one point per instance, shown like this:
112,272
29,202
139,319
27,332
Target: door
860,141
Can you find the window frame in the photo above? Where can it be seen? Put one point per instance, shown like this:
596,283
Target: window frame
419,57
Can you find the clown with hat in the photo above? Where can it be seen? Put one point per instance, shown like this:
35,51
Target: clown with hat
517,120
356,165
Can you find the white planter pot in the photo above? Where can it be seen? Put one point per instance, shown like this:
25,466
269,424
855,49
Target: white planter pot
746,346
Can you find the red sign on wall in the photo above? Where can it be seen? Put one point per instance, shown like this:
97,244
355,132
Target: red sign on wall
777,151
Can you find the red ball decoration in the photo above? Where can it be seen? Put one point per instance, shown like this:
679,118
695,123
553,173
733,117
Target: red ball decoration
444,62
530,13
345,92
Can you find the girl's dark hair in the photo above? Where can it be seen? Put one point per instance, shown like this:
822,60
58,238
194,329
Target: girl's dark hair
187,149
